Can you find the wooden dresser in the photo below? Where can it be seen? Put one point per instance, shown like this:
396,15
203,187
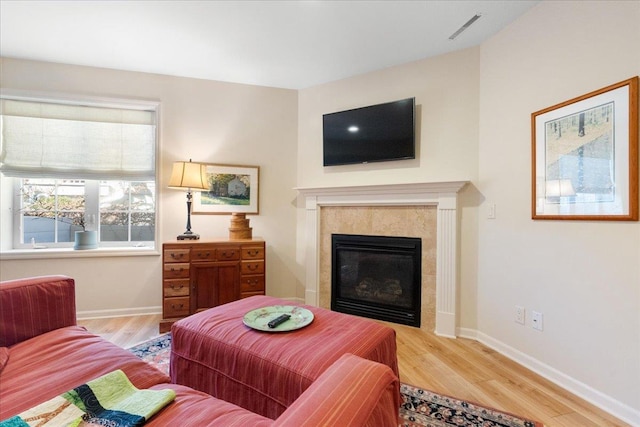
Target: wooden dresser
200,274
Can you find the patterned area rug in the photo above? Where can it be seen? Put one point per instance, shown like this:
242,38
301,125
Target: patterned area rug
419,408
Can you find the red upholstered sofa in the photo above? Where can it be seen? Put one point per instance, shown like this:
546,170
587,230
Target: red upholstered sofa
43,353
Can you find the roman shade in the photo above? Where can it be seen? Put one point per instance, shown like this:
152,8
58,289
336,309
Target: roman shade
58,140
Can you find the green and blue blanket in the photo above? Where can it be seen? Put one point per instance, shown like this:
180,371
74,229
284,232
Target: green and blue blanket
108,400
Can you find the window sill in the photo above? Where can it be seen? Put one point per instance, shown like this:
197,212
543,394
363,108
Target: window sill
50,253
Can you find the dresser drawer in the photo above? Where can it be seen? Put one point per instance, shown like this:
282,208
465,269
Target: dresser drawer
253,252
228,254
252,267
176,270
176,288
176,255
175,307
205,253
252,284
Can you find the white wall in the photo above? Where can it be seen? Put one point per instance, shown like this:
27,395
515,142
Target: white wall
446,92
208,121
584,276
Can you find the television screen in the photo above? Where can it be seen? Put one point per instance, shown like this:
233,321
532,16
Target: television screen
376,133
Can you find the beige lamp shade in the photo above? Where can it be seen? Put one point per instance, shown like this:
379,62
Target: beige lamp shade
189,175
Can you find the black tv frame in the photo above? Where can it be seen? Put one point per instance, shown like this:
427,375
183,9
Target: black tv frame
387,132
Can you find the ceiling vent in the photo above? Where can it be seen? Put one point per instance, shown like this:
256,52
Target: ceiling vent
465,26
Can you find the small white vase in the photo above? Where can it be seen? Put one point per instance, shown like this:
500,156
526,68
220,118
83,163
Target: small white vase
86,240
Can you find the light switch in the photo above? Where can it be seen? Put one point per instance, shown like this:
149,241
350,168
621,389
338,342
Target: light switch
491,214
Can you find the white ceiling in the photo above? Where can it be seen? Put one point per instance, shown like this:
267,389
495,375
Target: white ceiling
287,44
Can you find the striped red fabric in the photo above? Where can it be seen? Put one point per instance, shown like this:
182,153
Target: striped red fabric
213,351
54,362
4,357
30,307
352,392
198,409
46,355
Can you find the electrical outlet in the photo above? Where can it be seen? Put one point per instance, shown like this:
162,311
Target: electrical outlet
536,320
519,314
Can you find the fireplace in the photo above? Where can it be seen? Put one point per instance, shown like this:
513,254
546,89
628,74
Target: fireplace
377,277
441,195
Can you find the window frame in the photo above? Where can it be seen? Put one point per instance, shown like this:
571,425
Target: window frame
17,248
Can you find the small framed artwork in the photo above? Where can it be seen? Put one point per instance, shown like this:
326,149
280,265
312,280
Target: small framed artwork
232,189
585,156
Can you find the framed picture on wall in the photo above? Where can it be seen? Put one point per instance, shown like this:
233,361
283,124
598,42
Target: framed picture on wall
232,188
585,156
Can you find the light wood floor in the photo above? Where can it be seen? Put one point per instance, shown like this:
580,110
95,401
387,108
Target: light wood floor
461,368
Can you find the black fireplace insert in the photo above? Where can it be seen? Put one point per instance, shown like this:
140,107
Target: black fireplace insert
377,277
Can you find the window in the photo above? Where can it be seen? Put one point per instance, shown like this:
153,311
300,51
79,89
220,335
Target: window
53,210
72,167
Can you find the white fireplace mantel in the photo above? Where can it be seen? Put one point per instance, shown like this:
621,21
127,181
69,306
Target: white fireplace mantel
444,195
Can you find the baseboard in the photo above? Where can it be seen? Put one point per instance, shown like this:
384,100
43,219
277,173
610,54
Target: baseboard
472,334
595,397
118,312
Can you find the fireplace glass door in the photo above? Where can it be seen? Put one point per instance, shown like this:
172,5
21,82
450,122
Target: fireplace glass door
377,277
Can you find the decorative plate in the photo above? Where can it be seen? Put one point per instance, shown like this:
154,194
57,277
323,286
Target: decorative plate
260,317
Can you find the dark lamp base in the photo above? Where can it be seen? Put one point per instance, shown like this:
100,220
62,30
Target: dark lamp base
189,236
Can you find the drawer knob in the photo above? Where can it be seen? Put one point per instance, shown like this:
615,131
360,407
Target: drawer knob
252,267
176,287
174,306
253,253
174,256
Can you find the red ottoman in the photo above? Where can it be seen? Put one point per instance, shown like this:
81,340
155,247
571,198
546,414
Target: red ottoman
213,351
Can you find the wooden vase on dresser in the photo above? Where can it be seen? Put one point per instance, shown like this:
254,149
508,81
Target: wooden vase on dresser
200,274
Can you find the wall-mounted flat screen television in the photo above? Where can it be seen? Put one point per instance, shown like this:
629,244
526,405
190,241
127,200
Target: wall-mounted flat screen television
376,133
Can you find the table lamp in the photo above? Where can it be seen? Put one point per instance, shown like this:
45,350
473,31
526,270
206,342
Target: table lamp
189,176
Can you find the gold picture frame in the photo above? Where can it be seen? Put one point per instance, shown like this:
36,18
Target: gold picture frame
233,189
585,156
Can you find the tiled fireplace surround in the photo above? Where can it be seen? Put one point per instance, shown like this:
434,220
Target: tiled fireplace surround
424,210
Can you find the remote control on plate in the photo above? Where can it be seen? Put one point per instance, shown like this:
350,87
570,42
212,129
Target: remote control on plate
278,320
